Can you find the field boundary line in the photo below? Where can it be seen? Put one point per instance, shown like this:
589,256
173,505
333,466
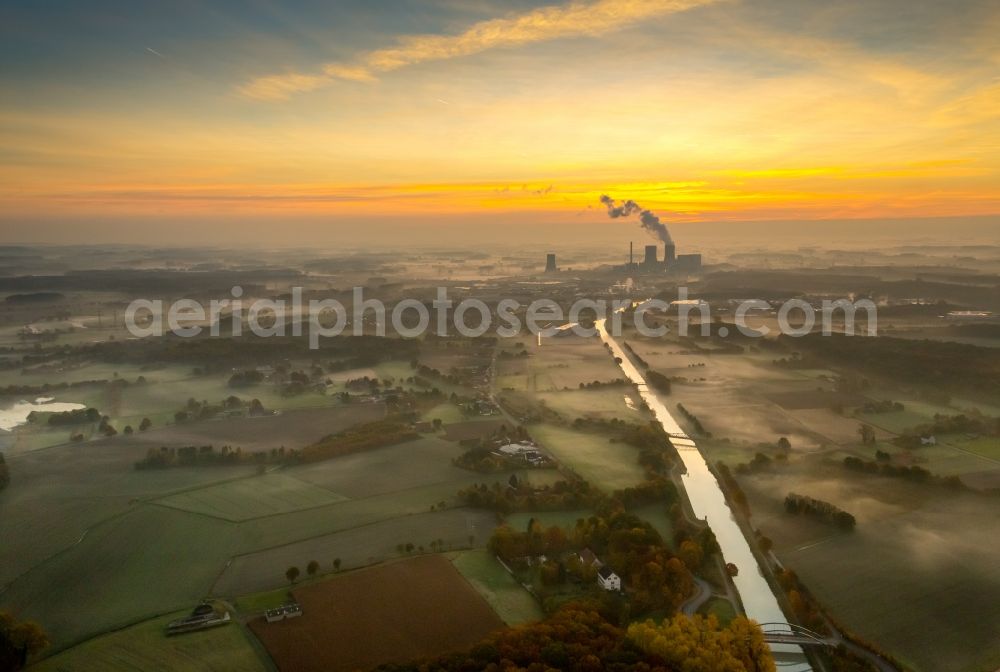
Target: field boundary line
340,531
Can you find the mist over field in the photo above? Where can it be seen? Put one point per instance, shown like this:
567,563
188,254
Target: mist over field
650,335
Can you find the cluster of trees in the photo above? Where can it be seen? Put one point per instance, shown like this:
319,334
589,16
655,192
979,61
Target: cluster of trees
972,423
659,578
732,489
639,360
598,384
425,372
4,472
650,491
760,462
298,382
658,381
341,353
520,496
882,406
805,607
246,378
359,438
936,364
484,460
207,456
202,410
77,416
700,644
693,419
363,384
817,508
914,474
19,640
48,388
293,573
583,636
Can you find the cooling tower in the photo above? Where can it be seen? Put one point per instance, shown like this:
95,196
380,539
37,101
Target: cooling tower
650,259
669,254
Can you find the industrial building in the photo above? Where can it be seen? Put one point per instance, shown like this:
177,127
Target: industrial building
650,263
672,262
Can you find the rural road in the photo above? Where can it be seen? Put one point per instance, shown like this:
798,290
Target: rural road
703,595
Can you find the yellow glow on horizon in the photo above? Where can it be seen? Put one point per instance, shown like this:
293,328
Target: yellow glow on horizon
830,129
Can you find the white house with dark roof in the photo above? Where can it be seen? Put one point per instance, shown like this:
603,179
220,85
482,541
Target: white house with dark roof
608,579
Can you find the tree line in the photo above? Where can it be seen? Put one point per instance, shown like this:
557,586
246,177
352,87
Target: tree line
817,508
585,636
914,474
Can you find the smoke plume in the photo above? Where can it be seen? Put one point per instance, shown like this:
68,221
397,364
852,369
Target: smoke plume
649,221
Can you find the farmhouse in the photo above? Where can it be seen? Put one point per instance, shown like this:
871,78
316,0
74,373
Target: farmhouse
588,559
525,450
290,610
608,579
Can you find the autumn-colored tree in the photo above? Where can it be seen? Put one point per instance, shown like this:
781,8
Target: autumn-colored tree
700,644
690,553
19,640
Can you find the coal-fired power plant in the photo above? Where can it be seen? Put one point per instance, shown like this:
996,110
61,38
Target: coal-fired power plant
651,224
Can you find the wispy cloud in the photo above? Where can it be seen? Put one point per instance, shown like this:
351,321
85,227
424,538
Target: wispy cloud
538,25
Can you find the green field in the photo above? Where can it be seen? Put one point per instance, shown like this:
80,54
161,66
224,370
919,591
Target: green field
922,559
559,364
896,421
357,545
986,446
256,603
146,562
446,413
609,466
721,608
389,469
656,515
144,647
604,403
508,598
253,497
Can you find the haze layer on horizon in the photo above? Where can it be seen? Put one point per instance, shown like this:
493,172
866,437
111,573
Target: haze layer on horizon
223,121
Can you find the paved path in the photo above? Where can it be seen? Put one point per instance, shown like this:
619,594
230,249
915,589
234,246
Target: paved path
703,595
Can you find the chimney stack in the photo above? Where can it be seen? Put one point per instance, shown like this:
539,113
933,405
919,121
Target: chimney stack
669,254
550,263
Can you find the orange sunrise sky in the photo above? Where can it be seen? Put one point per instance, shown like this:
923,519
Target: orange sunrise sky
349,112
